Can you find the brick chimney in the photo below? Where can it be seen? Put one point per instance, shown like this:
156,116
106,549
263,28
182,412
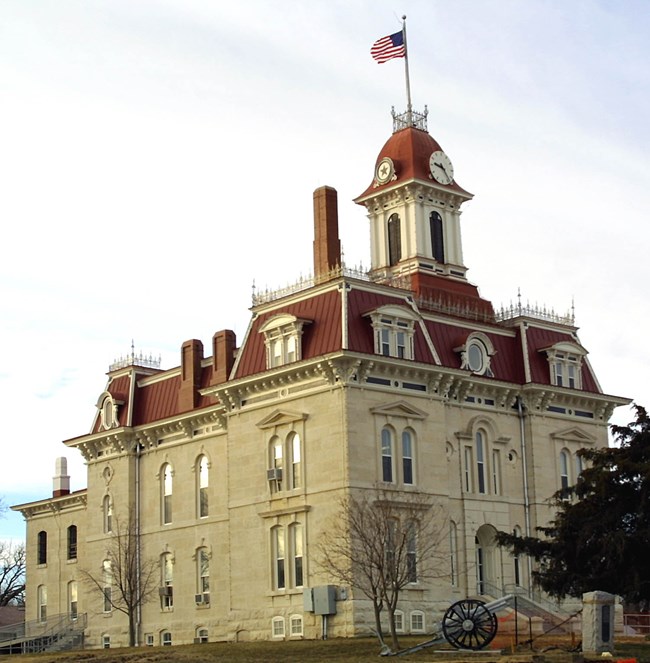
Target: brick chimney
61,479
223,355
327,245
191,356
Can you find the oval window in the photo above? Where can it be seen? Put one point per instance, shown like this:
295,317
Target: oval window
476,357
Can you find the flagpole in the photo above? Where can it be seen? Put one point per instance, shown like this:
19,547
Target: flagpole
406,70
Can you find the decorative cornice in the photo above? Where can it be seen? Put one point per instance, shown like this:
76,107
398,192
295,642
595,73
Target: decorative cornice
53,505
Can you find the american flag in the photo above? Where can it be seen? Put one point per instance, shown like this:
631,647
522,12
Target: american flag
389,47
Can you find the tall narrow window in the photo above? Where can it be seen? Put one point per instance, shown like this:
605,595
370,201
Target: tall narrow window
564,469
453,554
387,455
496,472
42,603
41,547
279,557
72,542
515,561
389,547
467,474
437,239
295,461
296,545
480,462
407,457
411,552
277,464
167,589
203,561
107,510
480,570
167,492
107,585
72,599
203,483
394,239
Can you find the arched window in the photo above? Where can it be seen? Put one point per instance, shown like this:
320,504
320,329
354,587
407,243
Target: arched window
72,542
453,553
277,627
295,530
167,492
166,639
564,469
42,603
107,585
202,486
437,238
394,239
203,574
278,545
276,464
295,622
387,454
407,457
580,465
296,467
516,561
41,547
167,584
72,599
202,634
411,551
399,621
480,461
417,621
107,511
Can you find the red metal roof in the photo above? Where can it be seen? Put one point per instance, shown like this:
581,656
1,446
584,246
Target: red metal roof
409,149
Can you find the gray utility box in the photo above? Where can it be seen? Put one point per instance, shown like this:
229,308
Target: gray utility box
324,600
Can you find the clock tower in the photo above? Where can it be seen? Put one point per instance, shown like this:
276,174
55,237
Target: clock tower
414,207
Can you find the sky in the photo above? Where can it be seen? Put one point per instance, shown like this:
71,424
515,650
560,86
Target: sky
158,159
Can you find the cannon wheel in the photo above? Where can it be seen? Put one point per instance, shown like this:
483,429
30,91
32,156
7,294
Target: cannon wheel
469,625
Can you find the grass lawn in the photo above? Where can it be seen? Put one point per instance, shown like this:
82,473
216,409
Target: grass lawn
306,651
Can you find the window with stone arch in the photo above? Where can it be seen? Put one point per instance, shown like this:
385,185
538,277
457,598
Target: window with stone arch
167,491
202,486
203,573
294,452
394,228
408,457
387,454
41,594
107,514
481,458
276,464
72,542
297,557
73,600
564,465
167,581
437,237
41,547
453,553
481,470
283,339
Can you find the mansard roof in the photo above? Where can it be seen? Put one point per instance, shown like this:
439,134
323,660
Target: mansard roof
339,321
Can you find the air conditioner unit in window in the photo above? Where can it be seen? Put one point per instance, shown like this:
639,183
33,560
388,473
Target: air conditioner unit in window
274,474
198,599
166,591
206,598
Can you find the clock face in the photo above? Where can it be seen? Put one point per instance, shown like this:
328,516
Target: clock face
441,168
385,170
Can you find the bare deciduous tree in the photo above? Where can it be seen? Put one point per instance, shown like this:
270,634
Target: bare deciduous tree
12,574
125,581
382,541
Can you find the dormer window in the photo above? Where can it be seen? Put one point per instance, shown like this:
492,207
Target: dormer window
283,339
565,363
476,354
108,411
393,328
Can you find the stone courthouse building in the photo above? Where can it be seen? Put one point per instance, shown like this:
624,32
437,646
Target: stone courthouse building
402,378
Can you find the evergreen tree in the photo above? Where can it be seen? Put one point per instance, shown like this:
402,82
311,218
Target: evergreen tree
599,538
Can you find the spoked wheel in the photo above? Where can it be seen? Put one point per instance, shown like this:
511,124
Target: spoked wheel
469,625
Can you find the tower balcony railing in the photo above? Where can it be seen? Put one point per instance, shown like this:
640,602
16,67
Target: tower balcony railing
536,312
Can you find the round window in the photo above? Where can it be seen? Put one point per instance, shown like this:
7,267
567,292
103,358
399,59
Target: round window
476,357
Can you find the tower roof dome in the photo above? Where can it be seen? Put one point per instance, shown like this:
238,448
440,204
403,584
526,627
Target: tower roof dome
410,150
